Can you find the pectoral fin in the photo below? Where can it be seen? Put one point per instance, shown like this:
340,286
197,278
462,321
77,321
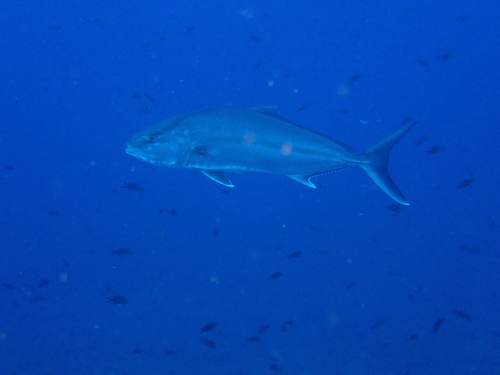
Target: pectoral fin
219,177
303,179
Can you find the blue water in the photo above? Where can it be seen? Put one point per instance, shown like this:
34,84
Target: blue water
79,78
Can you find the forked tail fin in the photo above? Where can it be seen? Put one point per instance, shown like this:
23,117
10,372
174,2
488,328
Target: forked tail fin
378,161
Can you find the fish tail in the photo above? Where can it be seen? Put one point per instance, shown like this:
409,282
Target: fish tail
378,161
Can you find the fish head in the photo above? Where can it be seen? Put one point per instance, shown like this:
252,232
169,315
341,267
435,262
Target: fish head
162,144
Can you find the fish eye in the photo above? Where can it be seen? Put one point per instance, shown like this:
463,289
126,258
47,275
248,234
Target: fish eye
152,138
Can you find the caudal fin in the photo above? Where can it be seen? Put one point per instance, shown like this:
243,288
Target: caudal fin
378,161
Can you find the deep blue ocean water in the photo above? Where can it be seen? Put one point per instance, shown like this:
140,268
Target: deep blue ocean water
371,283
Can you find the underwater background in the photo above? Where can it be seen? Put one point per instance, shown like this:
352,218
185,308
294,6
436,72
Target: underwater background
110,265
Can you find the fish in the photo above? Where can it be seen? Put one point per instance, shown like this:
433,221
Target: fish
276,275
462,314
208,343
264,328
253,339
466,182
44,283
423,63
354,79
218,141
8,286
300,109
117,300
435,149
133,187
422,139
208,327
377,324
295,254
437,325
123,251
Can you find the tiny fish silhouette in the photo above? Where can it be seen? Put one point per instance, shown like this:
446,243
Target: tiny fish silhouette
463,315
355,78
133,187
466,182
208,327
169,352
377,324
264,329
8,286
422,139
253,339
300,109
44,283
208,343
276,275
123,251
275,368
437,325
295,254
117,300
435,149
423,63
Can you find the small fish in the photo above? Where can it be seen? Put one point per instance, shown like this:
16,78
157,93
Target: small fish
137,351
275,368
286,75
343,111
395,208
492,223
374,240
406,120
395,273
169,352
255,38
377,324
295,254
413,337
149,97
54,213
289,322
300,109
423,63
37,299
435,149
354,79
117,300
351,285
276,275
470,250
464,18
437,325
95,20
264,329
411,296
253,339
44,283
462,314
283,328
189,29
170,211
259,63
9,167
422,139
208,343
133,187
208,327
8,286
215,233
123,251
466,182
446,57
316,228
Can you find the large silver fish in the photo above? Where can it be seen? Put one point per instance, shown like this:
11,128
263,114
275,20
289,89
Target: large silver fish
257,140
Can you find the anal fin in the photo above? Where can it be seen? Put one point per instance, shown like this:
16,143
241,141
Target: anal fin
219,177
303,179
